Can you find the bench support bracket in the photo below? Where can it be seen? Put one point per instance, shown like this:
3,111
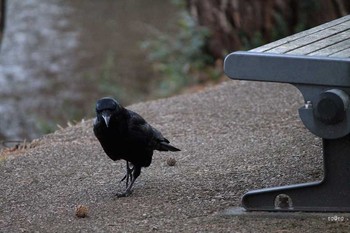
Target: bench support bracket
332,194
325,85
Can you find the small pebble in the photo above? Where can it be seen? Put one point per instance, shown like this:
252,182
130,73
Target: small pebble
171,161
81,211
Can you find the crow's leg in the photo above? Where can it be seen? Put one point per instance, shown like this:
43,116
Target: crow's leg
136,171
128,174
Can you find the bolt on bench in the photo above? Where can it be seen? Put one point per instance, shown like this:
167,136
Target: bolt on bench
317,62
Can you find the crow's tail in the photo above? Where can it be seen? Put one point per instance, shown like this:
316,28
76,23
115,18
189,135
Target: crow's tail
164,146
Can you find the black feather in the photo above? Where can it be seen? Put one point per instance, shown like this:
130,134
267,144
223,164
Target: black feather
165,146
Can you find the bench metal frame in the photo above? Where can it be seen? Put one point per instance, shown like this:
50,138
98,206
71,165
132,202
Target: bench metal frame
313,76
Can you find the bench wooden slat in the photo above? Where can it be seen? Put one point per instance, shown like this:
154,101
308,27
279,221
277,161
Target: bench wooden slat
288,40
332,40
310,39
344,53
332,49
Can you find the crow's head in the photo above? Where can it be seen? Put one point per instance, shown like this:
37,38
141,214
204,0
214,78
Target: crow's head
106,107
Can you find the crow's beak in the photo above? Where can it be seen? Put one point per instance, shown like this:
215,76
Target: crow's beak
106,116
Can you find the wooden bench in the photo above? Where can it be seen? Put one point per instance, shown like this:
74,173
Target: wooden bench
317,62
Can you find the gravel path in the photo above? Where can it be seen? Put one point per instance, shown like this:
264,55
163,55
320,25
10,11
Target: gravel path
234,137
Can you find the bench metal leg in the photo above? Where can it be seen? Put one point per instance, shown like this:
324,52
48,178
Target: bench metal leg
332,194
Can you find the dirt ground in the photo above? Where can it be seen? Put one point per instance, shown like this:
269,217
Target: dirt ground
234,137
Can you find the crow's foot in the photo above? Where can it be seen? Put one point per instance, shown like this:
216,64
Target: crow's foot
124,194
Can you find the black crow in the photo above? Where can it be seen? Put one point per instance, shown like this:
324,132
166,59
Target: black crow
124,134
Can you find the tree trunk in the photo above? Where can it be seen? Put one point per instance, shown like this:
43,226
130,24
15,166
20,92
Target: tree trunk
243,24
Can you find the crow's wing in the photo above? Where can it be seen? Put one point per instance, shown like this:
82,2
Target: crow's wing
139,131
142,133
161,143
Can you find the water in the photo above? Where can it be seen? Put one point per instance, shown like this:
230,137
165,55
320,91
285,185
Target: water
59,56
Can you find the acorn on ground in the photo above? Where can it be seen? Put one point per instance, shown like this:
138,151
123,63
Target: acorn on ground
81,211
171,161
